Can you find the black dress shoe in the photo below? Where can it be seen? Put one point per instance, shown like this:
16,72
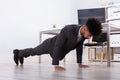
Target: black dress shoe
21,59
16,57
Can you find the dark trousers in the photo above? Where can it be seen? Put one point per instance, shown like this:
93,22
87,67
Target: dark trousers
39,50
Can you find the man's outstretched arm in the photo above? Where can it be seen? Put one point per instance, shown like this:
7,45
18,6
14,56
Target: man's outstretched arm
57,52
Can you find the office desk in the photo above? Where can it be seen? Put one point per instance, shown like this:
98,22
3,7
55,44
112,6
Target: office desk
49,32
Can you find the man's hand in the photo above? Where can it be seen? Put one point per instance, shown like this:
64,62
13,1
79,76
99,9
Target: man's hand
83,66
59,68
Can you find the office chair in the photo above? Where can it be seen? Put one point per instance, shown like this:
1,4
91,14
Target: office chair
99,41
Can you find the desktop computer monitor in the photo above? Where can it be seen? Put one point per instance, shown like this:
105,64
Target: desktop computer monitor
84,14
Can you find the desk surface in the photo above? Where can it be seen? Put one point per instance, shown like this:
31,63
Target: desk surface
112,29
53,32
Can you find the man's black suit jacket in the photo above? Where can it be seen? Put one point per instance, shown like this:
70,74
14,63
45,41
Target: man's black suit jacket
64,42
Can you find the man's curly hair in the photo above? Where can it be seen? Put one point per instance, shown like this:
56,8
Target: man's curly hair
94,26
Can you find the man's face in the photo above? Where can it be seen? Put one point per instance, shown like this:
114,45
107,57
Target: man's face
87,34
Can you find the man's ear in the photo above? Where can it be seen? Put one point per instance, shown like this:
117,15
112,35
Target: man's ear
85,28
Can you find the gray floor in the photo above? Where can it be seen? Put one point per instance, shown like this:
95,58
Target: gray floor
44,71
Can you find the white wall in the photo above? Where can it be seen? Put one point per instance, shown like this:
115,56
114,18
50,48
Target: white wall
87,4
22,20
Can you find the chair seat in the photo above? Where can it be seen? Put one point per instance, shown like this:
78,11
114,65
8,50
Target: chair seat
92,44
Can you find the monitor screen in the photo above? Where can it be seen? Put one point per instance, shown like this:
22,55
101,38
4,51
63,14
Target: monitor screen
84,14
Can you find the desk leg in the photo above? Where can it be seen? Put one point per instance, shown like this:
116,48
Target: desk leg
108,47
40,39
39,59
